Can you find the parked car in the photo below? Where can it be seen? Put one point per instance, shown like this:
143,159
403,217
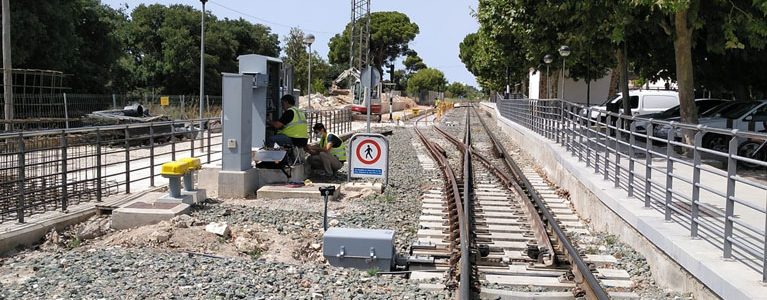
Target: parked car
642,102
741,115
673,114
738,115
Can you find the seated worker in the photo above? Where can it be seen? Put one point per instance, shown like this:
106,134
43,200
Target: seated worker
330,154
292,129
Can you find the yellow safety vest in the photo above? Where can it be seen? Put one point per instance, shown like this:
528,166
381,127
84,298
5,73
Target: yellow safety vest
339,151
297,128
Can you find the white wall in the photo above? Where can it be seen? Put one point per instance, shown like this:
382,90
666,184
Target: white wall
575,91
534,85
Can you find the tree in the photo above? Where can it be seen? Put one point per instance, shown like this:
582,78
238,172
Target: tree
297,56
400,79
75,37
740,29
456,90
390,33
485,59
426,80
162,48
413,63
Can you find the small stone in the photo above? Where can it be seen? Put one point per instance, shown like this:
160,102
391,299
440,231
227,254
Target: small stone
316,246
220,229
333,223
93,229
317,296
183,221
159,236
306,283
245,244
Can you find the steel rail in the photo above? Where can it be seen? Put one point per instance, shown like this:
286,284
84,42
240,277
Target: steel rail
584,279
469,272
531,211
456,221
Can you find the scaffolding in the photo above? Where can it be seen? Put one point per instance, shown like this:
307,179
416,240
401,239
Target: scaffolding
359,43
37,82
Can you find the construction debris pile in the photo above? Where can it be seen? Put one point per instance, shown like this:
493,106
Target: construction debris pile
321,102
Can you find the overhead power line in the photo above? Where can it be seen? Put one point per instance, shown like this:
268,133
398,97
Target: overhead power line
267,21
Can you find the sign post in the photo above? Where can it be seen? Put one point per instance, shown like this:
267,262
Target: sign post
368,157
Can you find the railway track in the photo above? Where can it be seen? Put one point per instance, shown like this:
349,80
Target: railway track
491,228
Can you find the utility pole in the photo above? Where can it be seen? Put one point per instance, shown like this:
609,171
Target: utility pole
202,73
7,67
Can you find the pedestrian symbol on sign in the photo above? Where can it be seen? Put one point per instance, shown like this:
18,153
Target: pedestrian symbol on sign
369,156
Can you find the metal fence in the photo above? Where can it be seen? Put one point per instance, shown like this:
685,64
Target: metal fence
59,111
683,181
48,170
338,121
54,169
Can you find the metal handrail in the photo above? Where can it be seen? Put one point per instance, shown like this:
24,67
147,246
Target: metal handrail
34,177
649,168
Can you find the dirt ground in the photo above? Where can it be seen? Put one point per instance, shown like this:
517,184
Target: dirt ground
187,234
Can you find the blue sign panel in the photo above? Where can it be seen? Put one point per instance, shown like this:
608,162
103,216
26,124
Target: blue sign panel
366,171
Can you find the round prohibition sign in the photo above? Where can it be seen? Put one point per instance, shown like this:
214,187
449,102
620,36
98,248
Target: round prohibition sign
375,158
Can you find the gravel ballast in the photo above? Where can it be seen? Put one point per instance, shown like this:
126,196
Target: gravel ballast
286,264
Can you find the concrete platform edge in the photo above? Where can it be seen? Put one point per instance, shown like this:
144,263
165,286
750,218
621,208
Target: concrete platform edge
33,232
665,245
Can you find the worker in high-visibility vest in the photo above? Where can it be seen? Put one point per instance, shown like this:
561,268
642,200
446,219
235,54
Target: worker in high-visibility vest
330,154
292,129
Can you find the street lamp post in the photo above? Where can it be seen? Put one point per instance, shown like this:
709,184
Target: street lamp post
309,40
202,71
564,51
548,58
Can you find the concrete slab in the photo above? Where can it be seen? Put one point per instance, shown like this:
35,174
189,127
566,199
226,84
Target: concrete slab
207,179
237,184
501,221
514,295
359,186
436,206
272,177
420,275
183,198
278,192
430,233
520,270
497,236
549,282
624,284
432,287
146,211
504,245
613,274
601,260
198,195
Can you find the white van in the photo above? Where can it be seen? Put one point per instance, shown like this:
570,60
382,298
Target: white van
642,102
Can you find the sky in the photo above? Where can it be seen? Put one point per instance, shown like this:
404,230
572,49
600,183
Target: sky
443,24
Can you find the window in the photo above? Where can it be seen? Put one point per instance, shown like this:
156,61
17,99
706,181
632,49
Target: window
634,102
660,101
